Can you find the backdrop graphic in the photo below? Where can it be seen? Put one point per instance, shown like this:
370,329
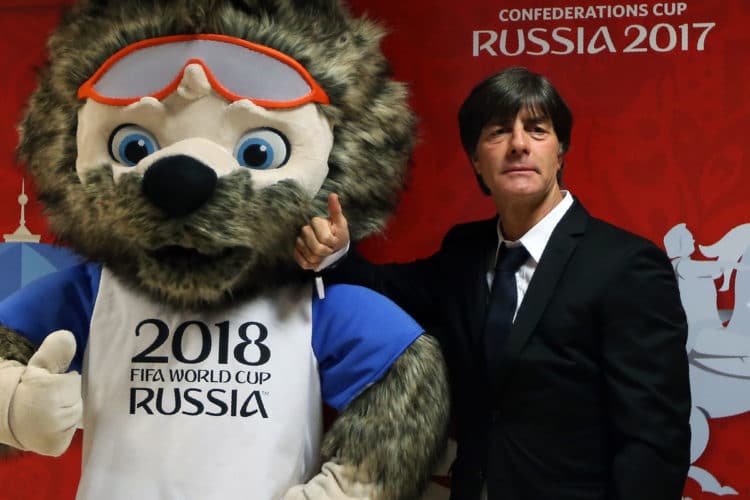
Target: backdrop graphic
659,147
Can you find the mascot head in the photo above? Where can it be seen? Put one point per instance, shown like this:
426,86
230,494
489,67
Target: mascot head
183,143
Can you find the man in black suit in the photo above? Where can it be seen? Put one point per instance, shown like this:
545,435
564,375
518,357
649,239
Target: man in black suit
587,395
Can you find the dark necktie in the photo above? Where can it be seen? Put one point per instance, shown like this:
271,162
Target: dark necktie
502,304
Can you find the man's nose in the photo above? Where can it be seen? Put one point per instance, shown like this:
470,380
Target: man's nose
518,141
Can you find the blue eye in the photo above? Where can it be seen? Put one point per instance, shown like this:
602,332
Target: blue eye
262,149
129,144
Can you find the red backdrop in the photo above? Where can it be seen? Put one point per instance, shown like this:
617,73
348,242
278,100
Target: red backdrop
658,94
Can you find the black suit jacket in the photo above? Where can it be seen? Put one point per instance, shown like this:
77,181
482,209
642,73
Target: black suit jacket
590,397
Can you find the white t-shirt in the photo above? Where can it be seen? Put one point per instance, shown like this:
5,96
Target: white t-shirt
223,404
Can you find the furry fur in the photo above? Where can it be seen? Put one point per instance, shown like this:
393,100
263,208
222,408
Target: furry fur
366,437
14,346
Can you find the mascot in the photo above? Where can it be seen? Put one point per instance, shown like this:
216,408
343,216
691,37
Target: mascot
178,146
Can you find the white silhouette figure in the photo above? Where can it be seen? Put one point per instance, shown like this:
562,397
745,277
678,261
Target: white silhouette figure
729,248
718,354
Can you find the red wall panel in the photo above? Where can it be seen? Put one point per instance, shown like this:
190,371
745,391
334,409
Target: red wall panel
659,139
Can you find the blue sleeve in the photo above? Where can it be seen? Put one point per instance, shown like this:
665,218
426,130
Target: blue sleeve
61,300
357,335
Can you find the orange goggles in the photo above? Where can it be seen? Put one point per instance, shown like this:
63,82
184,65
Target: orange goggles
237,69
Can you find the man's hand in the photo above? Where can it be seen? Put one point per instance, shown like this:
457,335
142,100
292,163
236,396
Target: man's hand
322,237
41,403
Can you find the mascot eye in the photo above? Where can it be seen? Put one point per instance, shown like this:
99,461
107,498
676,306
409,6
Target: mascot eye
262,148
129,144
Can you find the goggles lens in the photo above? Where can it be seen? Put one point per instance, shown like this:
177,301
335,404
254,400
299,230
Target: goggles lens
236,68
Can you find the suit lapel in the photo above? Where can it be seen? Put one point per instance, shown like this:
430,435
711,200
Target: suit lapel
554,259
476,283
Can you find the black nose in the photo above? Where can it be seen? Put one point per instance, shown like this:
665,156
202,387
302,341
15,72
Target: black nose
179,184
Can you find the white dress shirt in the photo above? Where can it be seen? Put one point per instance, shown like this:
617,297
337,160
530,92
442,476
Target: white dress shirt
534,240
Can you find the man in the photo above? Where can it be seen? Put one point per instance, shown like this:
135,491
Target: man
587,396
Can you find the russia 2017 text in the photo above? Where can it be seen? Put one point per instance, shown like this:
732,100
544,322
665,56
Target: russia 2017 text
564,40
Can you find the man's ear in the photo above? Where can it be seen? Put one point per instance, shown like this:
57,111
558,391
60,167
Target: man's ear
474,160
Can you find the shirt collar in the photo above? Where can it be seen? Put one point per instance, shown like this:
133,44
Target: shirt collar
536,238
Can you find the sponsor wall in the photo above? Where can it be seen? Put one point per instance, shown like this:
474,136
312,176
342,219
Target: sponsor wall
659,147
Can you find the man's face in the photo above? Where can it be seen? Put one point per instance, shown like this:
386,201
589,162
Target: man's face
519,160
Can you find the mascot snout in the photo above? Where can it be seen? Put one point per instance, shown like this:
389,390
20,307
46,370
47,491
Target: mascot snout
179,184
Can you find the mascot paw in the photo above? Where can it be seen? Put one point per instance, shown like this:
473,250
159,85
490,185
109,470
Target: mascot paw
334,482
45,403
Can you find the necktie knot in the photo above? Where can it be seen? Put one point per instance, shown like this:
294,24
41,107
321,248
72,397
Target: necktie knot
511,258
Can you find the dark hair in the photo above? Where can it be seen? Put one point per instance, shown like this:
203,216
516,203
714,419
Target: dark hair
499,98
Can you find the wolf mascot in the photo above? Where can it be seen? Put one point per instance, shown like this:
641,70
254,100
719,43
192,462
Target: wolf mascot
178,146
